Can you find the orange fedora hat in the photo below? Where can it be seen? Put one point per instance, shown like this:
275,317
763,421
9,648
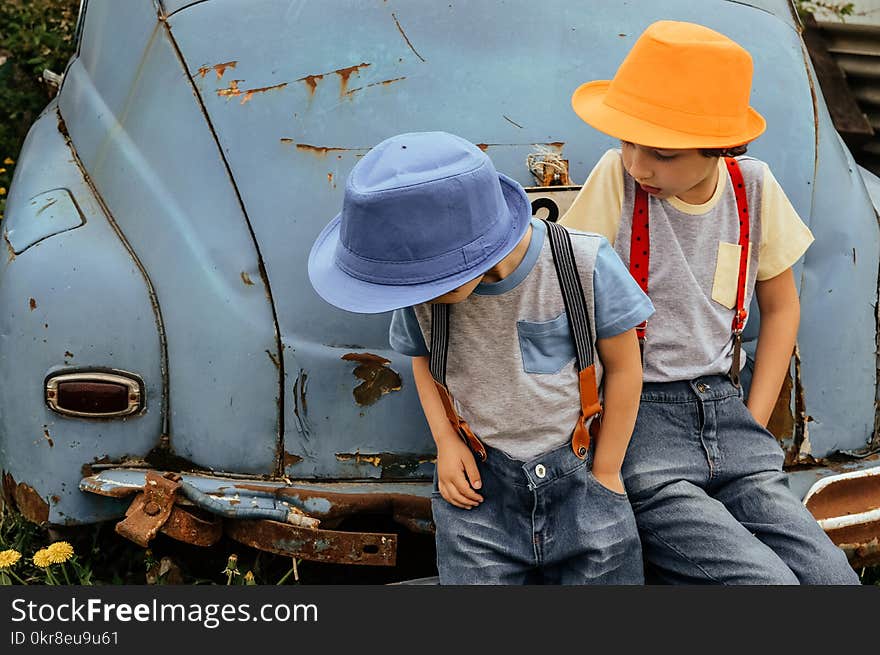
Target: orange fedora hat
681,86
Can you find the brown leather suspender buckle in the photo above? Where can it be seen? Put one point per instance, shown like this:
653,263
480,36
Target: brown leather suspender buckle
458,423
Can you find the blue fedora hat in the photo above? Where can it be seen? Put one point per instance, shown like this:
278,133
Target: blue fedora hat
423,213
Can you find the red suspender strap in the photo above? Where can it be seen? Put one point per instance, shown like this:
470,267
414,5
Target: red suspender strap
742,210
740,315
640,249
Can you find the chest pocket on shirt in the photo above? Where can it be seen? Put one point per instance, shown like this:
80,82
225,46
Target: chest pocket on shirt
546,347
727,274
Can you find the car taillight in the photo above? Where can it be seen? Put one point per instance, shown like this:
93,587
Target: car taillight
92,394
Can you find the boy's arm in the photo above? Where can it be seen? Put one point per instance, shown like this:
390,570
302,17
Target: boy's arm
622,362
780,316
456,465
597,205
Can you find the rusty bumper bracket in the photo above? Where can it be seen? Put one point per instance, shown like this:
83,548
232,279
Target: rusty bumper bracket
198,530
150,509
847,507
316,545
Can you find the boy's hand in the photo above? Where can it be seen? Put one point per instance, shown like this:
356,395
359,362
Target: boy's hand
610,481
457,475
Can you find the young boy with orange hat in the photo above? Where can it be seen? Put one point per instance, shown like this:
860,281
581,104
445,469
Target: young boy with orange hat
701,229
496,315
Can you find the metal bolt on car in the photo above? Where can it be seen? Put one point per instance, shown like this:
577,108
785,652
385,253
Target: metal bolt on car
168,367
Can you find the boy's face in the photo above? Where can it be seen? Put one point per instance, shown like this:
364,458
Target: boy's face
458,294
663,173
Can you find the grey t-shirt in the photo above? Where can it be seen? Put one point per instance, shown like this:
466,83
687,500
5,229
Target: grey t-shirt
694,268
511,364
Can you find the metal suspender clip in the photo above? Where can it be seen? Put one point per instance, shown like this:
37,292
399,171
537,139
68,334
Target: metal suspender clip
735,365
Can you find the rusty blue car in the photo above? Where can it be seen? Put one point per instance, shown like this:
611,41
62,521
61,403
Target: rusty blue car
165,362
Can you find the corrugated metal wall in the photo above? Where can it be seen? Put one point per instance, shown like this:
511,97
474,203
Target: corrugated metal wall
856,48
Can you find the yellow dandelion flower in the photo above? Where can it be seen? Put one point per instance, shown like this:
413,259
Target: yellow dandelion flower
60,552
2,190
8,161
2,170
8,558
42,559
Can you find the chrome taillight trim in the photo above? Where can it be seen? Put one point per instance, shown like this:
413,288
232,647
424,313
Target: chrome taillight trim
135,393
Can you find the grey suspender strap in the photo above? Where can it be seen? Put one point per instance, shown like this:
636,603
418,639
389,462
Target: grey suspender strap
582,334
439,341
437,365
572,293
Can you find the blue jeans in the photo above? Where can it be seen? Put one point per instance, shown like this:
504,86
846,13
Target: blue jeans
546,521
710,497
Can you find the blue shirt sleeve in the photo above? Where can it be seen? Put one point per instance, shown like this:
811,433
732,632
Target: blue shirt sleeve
620,303
405,334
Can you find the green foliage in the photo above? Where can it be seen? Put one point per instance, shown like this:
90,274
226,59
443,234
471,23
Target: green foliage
816,7
34,35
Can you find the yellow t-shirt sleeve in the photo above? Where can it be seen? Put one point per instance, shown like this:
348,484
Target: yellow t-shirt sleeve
598,204
784,237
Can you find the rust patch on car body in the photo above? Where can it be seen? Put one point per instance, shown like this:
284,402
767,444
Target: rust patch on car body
801,446
290,459
552,146
392,464
782,424
48,438
322,151
220,69
10,250
247,279
31,505
233,90
263,89
351,92
329,505
377,378
312,82
345,74
274,359
32,304
8,489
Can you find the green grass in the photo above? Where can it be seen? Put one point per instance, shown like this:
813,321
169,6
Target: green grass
34,35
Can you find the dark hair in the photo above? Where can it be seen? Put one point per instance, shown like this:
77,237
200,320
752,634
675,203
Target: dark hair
734,151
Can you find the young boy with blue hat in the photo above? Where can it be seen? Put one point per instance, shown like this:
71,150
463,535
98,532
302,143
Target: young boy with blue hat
702,229
499,322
